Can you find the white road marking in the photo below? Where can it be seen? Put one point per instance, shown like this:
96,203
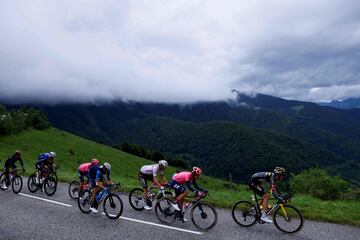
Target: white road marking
160,225
46,200
125,218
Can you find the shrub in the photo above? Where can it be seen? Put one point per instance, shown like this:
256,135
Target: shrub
316,182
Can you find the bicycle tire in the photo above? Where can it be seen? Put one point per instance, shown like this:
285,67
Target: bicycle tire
246,211
2,175
84,200
74,187
299,215
32,186
136,198
50,186
17,180
110,199
165,213
204,215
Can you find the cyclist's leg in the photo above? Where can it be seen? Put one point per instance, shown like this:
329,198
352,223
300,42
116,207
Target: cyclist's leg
143,183
180,193
81,179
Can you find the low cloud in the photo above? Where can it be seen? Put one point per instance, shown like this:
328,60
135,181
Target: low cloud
176,51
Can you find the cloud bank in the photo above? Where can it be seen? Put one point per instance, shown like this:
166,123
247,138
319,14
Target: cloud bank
178,51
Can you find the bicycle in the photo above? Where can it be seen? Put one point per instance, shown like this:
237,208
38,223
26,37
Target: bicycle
246,214
112,203
136,196
48,183
14,179
203,215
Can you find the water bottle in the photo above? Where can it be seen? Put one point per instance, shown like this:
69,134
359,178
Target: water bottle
99,196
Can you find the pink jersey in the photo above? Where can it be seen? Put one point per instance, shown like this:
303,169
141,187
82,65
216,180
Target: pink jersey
182,177
85,167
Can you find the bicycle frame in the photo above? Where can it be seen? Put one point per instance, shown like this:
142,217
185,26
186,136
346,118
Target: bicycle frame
269,211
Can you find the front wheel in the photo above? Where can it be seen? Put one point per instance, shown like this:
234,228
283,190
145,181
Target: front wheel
17,184
165,211
113,206
32,185
74,189
244,213
288,219
204,216
136,199
50,186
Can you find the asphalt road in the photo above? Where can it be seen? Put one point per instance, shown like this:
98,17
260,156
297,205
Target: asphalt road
24,217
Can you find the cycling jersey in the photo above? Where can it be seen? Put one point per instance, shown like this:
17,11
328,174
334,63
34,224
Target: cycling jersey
260,177
43,159
95,175
153,170
182,178
85,167
10,162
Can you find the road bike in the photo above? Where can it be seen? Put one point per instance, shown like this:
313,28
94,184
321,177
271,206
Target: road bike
112,204
136,196
47,183
286,218
14,179
203,215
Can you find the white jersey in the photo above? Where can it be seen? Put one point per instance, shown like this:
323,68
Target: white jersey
151,170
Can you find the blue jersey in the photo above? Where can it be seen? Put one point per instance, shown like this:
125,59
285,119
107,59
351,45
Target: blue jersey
43,159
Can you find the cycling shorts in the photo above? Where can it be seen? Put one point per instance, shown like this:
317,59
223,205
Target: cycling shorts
179,189
143,178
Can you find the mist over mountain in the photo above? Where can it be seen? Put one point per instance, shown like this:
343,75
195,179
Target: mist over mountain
343,104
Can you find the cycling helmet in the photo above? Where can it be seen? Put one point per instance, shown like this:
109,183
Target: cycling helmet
94,161
52,154
196,170
163,163
17,153
279,170
107,166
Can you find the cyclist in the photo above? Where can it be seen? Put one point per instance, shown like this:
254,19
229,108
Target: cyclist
271,177
45,161
150,172
179,180
84,171
10,163
96,178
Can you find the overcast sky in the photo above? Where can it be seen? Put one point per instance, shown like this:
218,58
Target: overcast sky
178,51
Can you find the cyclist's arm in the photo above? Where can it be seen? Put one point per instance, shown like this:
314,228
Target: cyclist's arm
21,162
198,187
108,178
164,179
156,181
98,179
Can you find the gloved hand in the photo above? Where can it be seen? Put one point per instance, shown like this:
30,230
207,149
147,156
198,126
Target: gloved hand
162,188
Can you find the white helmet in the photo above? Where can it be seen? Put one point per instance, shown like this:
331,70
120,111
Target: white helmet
107,166
52,154
163,163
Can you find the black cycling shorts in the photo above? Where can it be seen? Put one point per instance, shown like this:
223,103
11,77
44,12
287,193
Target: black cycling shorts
143,178
258,189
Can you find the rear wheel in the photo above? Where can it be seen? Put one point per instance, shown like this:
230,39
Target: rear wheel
136,199
32,186
288,219
204,216
50,185
3,181
74,189
113,206
84,201
17,184
244,213
164,210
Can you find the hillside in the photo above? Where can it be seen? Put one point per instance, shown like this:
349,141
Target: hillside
73,150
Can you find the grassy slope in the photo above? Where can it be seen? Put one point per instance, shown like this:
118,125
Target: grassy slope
73,150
